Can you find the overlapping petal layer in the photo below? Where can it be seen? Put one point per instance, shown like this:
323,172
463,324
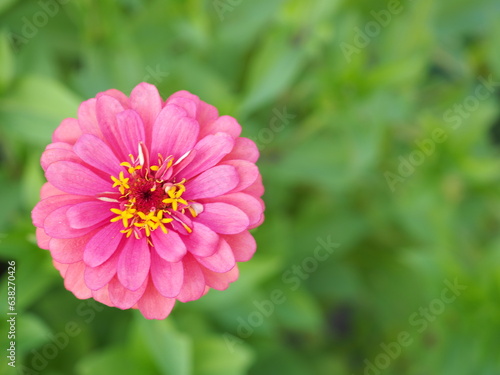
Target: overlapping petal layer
148,201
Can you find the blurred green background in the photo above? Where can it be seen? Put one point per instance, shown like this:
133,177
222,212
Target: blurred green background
338,95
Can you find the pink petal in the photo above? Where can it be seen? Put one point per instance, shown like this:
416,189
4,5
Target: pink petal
97,277
180,218
223,218
253,207
87,118
202,241
146,100
74,178
107,108
173,132
168,246
62,268
184,163
225,124
250,205
103,244
209,151
256,189
42,239
102,296
220,281
51,155
167,276
73,281
212,183
59,145
194,281
207,288
247,171
258,222
56,225
95,152
87,214
153,305
205,113
130,131
122,297
243,245
48,190
221,261
68,131
48,205
134,262
118,95
189,105
183,94
69,250
244,149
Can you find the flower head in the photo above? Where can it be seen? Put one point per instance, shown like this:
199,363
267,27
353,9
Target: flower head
148,202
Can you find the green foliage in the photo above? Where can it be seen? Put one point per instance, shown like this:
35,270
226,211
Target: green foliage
344,99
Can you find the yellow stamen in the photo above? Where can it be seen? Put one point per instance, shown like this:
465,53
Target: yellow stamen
175,193
151,222
121,182
141,223
193,212
186,227
130,168
123,215
158,221
127,231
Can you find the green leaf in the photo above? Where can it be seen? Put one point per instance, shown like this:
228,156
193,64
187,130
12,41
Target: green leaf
31,264
5,4
214,358
36,107
299,312
32,332
32,181
273,71
6,62
171,349
115,360
9,201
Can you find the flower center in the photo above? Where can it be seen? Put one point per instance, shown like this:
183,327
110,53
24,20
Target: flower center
150,198
146,194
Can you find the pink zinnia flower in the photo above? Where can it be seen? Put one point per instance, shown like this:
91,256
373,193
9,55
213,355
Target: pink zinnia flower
148,202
